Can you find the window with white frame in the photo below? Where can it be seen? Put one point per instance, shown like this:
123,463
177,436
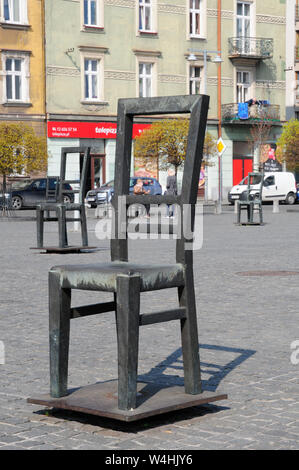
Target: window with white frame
194,79
243,19
195,17
90,12
93,13
16,77
14,11
145,15
145,79
243,86
91,79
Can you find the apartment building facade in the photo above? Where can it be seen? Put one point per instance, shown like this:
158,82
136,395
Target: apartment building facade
22,63
292,59
100,50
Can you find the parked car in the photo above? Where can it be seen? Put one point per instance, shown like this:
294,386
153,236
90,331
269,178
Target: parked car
28,193
297,186
4,199
279,185
105,192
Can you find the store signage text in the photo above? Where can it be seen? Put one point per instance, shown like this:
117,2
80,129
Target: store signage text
88,130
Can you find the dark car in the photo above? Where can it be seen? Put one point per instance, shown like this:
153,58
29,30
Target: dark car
30,192
105,192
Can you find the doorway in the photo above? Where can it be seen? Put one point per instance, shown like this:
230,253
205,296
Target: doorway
96,174
241,167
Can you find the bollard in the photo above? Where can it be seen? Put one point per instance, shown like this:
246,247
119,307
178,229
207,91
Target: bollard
236,207
218,208
275,206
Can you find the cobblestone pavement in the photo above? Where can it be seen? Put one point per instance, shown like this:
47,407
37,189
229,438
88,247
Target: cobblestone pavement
246,327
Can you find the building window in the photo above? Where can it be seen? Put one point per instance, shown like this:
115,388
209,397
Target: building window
92,74
15,11
297,87
145,15
243,86
16,77
194,80
195,17
90,12
243,20
13,71
145,79
91,79
93,13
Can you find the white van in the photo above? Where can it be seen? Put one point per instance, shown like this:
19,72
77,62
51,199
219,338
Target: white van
279,185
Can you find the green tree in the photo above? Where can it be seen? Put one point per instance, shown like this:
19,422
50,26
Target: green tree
166,141
288,145
21,150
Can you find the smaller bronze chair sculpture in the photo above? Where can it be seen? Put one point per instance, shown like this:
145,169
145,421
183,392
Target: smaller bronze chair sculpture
56,201
126,399
251,202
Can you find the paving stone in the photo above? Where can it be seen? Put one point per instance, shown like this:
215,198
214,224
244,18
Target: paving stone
246,327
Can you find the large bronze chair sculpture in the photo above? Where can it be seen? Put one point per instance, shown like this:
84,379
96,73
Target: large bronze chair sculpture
128,280
251,202
57,204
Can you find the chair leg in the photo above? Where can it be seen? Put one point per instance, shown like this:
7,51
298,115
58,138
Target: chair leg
127,323
238,212
190,346
251,211
248,212
261,213
83,227
61,216
40,227
59,332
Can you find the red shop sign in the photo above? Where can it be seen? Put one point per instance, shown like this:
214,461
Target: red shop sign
88,130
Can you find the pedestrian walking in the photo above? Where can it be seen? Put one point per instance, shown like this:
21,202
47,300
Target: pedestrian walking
171,189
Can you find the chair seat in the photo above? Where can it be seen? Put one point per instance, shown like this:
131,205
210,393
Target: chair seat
48,205
102,276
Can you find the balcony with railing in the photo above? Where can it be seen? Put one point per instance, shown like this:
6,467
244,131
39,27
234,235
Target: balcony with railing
242,113
251,49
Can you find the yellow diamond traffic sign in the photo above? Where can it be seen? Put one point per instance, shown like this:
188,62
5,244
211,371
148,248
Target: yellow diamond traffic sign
220,146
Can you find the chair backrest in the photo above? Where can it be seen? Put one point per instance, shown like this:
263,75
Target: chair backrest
52,188
63,189
197,106
251,180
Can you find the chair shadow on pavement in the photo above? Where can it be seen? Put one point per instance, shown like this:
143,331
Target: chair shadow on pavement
211,374
163,375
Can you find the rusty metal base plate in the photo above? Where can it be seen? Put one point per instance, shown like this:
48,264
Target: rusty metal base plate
250,223
101,399
67,249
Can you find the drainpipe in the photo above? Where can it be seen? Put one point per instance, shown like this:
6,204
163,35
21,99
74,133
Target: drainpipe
219,48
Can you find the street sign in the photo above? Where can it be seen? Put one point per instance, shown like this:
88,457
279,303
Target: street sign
221,147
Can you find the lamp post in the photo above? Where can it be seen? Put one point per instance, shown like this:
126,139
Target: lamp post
217,60
192,58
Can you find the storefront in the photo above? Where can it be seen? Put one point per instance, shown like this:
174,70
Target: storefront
99,136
